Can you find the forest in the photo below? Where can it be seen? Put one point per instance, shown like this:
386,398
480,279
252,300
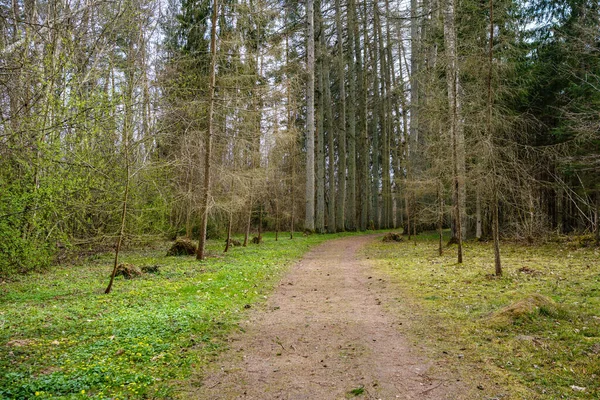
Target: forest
471,127
119,119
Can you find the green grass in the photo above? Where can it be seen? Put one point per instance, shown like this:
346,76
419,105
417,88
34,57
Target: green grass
548,353
61,337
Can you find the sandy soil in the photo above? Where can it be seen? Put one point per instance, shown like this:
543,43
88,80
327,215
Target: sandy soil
327,330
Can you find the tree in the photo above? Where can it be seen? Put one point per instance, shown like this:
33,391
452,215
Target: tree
309,221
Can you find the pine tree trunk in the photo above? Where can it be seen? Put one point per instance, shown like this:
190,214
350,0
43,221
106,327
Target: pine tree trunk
375,136
320,167
228,242
351,113
209,133
440,195
454,116
309,221
249,220
384,115
331,217
496,222
341,127
479,222
364,125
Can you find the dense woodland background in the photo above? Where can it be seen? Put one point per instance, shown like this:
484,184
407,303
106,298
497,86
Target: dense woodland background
325,116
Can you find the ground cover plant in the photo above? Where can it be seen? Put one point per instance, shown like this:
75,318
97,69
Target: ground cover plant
61,337
532,333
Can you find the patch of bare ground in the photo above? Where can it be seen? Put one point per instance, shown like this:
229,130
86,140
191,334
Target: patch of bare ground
329,331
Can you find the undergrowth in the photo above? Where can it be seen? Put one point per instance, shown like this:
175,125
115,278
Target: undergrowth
532,333
61,337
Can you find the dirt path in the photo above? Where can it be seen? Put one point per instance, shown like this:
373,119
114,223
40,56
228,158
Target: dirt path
324,333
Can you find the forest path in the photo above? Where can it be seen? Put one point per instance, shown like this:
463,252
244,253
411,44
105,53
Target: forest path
327,330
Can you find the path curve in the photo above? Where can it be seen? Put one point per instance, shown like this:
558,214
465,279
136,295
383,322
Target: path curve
323,333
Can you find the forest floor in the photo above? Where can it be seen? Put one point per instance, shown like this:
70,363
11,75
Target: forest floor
326,334
356,317
361,318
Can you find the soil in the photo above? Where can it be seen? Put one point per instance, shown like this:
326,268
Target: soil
329,331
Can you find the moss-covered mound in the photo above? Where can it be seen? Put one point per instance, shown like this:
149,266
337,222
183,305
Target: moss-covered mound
128,271
182,247
392,237
526,309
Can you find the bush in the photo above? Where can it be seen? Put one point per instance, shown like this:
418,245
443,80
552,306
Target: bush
19,252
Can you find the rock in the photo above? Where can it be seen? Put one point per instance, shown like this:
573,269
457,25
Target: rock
182,247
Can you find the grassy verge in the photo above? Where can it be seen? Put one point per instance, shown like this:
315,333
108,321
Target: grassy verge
60,337
461,313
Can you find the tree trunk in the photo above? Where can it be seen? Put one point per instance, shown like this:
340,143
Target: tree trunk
386,126
320,167
249,220
440,195
331,225
496,222
276,221
375,150
341,128
260,222
228,242
478,228
453,115
351,113
597,218
208,139
363,123
309,221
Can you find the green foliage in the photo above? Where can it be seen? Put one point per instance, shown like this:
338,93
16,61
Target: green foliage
359,391
62,338
23,241
536,330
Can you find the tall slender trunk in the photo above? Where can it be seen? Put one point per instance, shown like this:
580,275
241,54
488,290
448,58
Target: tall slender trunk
309,221
228,241
276,221
375,133
208,138
341,128
351,111
405,137
331,217
440,195
363,123
320,167
453,115
260,222
385,116
123,221
415,51
495,221
249,220
597,219
478,218
293,146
